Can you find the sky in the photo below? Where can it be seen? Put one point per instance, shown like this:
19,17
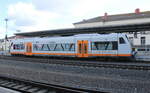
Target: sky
37,15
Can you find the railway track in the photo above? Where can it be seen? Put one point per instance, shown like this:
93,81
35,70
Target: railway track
26,86
125,65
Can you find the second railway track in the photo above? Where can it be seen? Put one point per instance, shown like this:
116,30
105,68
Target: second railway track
27,86
126,65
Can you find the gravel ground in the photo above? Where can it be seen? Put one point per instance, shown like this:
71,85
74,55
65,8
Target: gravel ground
103,79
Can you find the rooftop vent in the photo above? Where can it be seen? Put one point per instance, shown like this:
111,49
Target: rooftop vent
137,11
105,17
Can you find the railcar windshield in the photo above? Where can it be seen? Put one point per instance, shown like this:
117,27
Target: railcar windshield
121,40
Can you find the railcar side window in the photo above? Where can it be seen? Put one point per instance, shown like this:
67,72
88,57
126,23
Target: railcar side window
51,46
58,47
93,46
121,40
65,47
22,46
54,47
104,45
18,46
45,47
34,47
99,46
72,47
37,47
115,45
109,46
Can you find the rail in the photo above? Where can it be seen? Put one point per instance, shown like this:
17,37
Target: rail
27,86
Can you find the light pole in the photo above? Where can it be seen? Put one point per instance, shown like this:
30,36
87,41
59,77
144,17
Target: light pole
6,20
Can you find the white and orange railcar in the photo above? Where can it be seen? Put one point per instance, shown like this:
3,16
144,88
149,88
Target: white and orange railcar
82,45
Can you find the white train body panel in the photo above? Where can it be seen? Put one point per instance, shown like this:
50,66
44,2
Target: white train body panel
82,45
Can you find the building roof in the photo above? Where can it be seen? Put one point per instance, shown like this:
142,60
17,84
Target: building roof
72,31
117,17
140,26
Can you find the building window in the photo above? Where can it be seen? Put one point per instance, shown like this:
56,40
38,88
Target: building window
141,49
131,40
130,32
143,40
143,32
135,34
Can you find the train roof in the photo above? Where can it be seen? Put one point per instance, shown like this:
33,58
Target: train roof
70,37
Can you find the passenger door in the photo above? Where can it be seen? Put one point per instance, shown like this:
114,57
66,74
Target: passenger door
29,48
82,48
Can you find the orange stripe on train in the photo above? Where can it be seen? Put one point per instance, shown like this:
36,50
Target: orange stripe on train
73,54
109,54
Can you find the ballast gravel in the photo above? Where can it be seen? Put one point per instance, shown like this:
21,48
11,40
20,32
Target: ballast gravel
103,79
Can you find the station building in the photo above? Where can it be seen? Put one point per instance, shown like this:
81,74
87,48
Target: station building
139,40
